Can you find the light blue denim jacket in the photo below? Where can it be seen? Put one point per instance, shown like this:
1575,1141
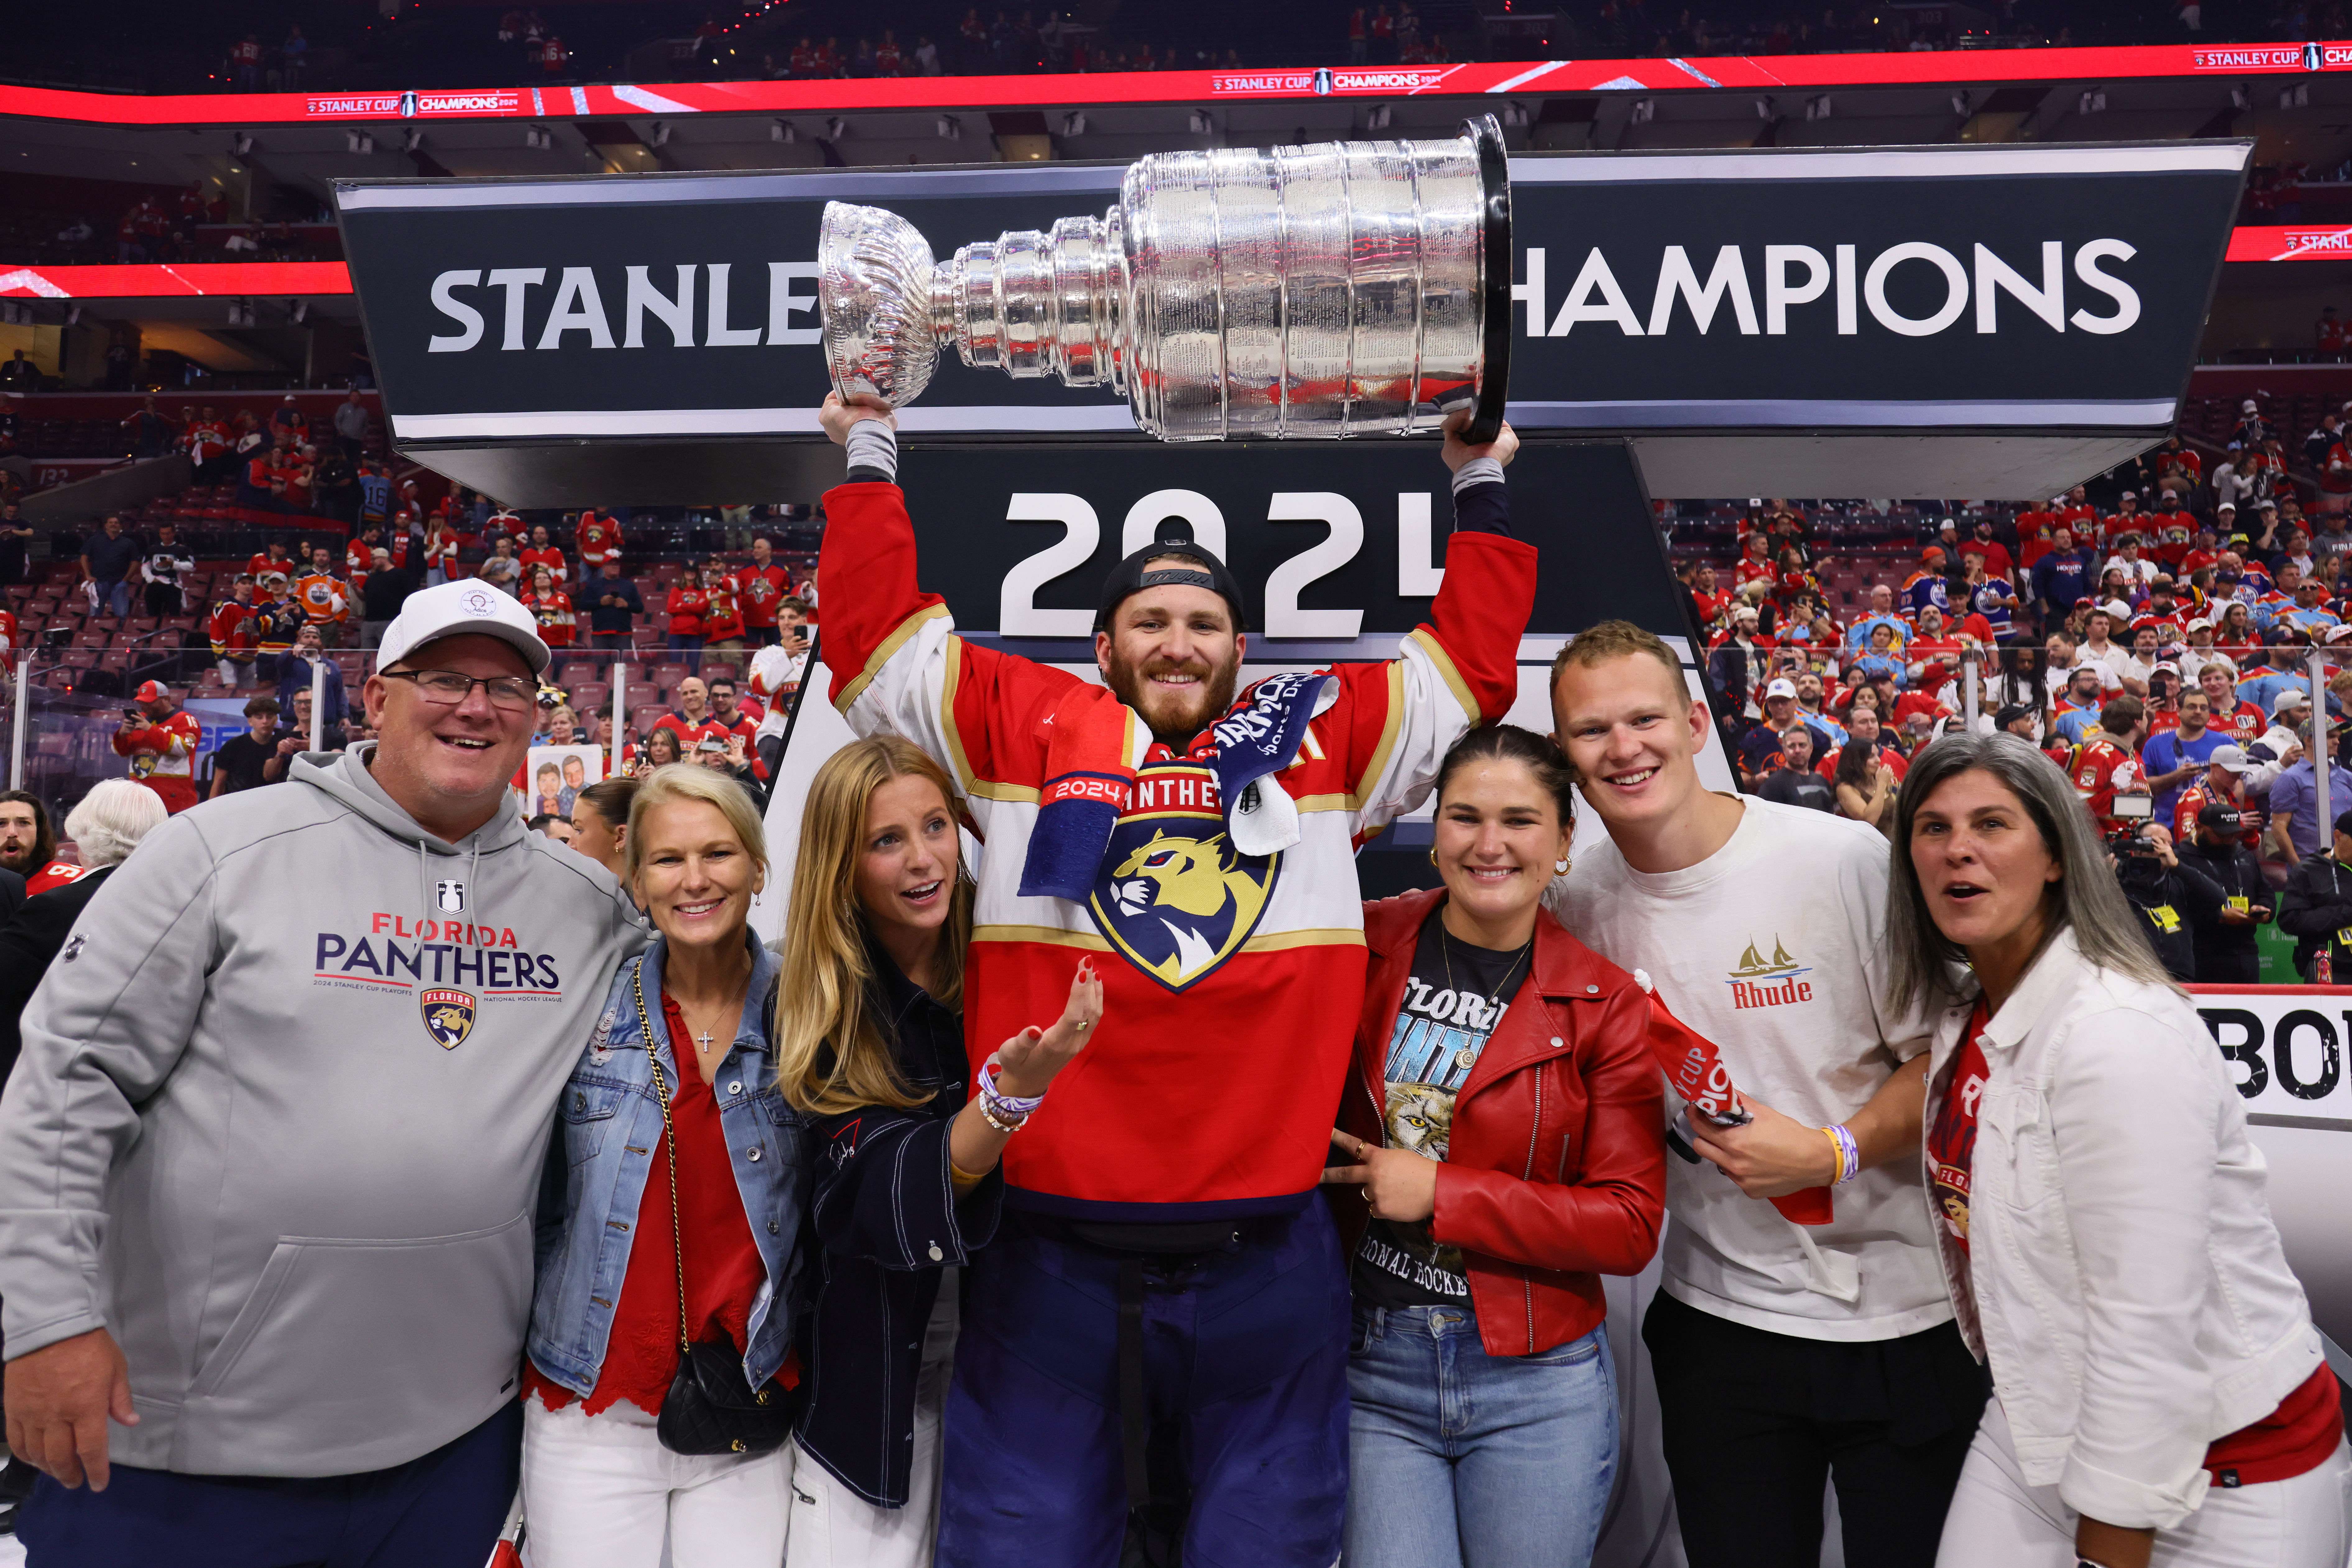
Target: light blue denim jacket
611,1144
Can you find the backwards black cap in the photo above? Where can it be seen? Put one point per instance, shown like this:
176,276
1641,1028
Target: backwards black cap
1173,538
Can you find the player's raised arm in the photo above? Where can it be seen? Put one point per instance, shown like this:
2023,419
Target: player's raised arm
897,665
1459,668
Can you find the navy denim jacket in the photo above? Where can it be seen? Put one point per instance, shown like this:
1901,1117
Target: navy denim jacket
611,1145
884,1221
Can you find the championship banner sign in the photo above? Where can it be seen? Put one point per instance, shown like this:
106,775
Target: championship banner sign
1981,320
2285,1045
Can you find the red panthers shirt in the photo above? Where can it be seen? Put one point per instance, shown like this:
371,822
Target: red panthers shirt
685,606
761,589
2100,769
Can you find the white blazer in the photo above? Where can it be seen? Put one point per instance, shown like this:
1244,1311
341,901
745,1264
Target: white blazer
2122,1277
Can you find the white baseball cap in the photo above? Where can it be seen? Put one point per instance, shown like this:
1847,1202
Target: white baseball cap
2117,609
2292,697
455,609
1781,686
2229,756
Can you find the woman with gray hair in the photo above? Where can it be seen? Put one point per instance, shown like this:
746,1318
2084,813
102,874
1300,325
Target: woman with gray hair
105,827
2099,1211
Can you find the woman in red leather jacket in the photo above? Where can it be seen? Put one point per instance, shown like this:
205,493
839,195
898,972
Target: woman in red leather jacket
1505,1119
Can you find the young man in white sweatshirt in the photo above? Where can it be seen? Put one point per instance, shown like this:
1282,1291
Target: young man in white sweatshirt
1784,1355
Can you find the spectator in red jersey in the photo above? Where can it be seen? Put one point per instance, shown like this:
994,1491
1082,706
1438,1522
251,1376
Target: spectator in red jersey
1713,603
551,606
722,613
2162,697
2240,722
28,845
2221,781
440,552
161,743
1755,562
271,567
597,539
1996,554
2178,469
2106,764
759,586
727,705
245,58
542,552
231,628
687,606
1865,733
692,722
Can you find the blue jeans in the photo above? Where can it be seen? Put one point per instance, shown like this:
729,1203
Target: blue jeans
1458,1456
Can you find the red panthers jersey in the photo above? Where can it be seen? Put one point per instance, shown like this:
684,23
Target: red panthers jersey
165,750
2100,768
1232,974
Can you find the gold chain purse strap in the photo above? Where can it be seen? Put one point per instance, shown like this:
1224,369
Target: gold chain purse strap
670,1147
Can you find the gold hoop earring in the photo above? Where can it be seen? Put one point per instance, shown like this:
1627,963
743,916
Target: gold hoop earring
1559,867
1432,855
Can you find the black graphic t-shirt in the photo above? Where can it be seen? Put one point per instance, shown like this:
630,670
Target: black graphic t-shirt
1443,1024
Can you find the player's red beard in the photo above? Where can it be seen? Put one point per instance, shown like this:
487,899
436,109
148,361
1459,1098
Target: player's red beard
1175,720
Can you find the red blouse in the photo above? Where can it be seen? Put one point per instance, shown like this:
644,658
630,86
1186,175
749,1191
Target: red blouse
723,1271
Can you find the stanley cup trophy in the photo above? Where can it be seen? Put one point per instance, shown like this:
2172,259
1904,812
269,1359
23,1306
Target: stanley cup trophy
1343,288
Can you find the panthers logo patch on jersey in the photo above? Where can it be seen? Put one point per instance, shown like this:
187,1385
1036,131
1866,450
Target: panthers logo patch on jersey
448,1016
1177,898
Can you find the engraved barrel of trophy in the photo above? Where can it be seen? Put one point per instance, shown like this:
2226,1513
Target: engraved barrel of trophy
1343,288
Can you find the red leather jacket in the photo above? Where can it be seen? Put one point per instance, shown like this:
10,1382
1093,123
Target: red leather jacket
1556,1172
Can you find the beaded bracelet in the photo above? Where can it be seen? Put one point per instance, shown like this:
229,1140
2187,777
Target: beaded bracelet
1005,1112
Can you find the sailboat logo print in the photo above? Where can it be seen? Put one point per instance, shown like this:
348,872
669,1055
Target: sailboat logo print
1761,982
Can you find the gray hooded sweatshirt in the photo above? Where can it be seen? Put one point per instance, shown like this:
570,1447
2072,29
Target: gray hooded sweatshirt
280,1116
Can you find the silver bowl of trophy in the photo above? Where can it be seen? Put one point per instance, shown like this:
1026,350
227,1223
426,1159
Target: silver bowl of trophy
1336,289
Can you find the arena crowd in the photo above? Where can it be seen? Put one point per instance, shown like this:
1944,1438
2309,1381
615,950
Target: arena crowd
549,1202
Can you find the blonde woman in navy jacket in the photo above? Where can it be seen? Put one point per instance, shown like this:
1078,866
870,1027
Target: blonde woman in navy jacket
907,1185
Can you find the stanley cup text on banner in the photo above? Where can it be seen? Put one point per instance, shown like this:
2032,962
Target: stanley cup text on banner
1344,288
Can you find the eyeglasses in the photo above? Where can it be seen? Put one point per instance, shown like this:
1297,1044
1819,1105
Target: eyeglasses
448,688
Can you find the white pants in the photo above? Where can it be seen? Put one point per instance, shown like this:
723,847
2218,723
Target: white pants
833,1527
1997,1521
599,1492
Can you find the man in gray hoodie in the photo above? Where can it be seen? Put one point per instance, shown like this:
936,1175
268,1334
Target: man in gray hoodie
269,1161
